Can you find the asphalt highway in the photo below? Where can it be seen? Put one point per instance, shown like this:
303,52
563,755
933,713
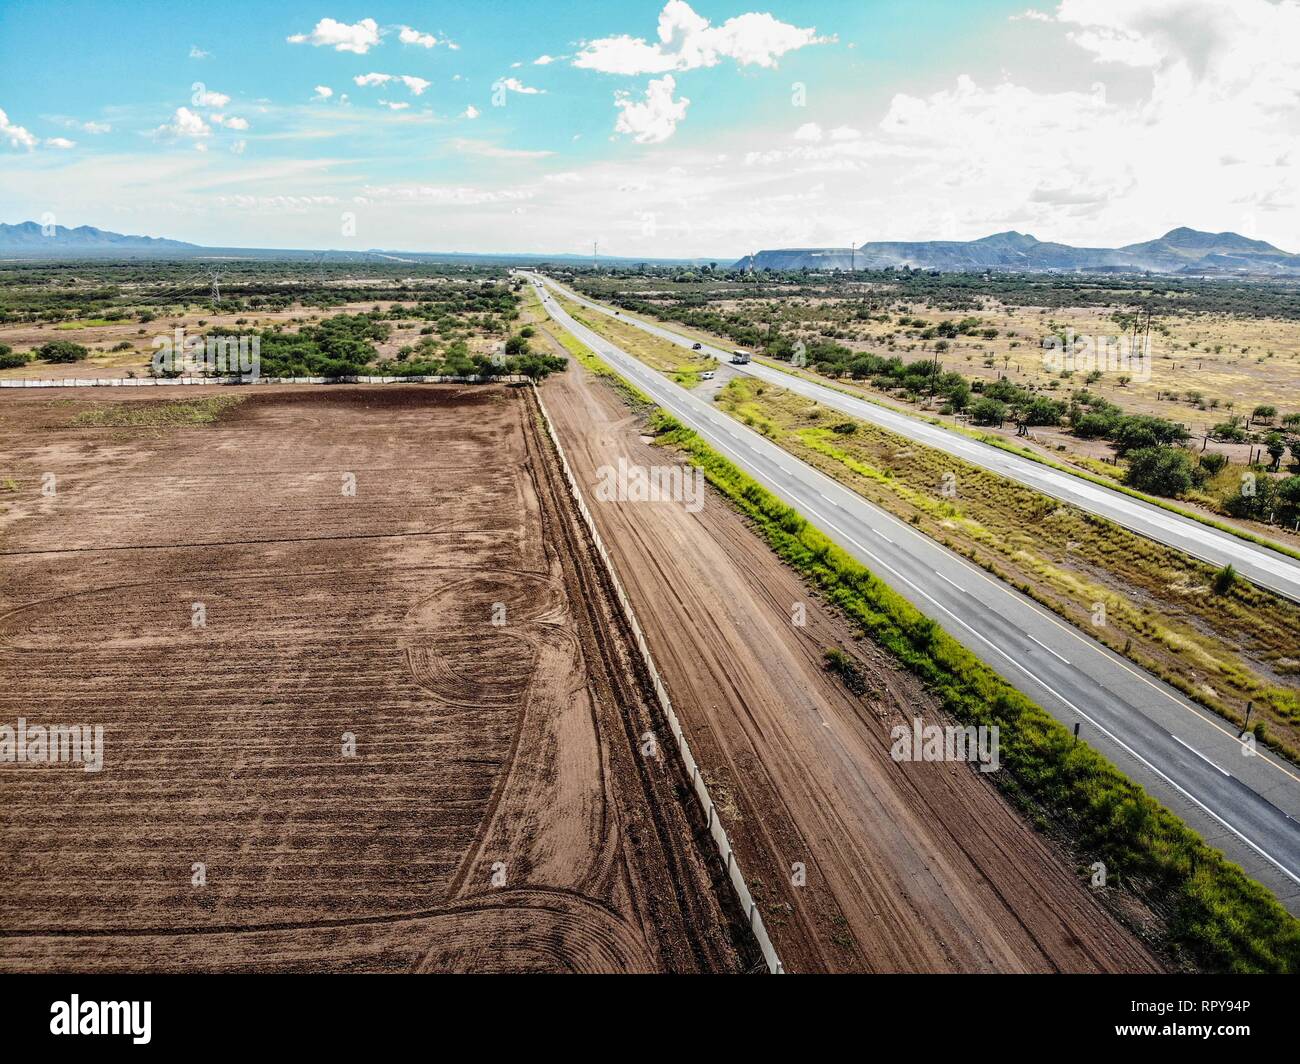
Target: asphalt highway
1266,567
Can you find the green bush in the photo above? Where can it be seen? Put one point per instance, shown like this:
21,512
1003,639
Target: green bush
1159,471
988,412
11,359
1213,463
1224,580
61,351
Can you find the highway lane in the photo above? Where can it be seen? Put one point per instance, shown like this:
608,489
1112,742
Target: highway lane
1267,568
1248,806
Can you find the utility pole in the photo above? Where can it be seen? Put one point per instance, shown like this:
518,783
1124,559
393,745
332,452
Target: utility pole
216,288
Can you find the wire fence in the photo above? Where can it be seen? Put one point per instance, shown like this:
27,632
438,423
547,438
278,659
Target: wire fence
716,830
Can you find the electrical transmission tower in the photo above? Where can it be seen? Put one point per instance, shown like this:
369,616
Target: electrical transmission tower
215,276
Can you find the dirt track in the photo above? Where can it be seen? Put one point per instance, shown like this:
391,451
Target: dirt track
911,866
481,750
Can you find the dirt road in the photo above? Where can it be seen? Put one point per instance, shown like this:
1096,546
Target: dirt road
910,866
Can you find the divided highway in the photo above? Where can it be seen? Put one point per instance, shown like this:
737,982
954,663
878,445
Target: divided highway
1265,567
1246,806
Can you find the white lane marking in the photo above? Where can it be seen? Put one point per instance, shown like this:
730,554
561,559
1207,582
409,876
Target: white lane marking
1045,647
1200,755
953,582
882,535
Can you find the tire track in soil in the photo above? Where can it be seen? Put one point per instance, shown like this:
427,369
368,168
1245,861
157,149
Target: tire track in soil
673,858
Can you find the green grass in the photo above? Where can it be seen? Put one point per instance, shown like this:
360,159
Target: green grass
1212,915
151,415
88,323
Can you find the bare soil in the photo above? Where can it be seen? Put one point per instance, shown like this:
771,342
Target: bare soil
498,814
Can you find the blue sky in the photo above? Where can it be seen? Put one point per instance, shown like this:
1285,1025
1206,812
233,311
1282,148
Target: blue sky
658,129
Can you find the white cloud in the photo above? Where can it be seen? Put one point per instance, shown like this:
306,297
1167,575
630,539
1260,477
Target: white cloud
842,133
441,195
488,150
357,38
229,122
809,131
92,126
1209,39
184,123
416,85
688,41
394,106
407,35
547,60
60,142
1206,81
198,53
1031,15
471,112
203,98
323,92
238,147
653,119
515,85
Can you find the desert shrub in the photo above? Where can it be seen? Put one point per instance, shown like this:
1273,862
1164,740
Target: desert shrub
61,351
1159,470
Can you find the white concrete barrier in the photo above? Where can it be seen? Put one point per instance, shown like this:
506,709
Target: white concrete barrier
140,382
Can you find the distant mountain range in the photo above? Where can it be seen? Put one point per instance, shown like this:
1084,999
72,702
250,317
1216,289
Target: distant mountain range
27,240
1185,251
1178,251
32,236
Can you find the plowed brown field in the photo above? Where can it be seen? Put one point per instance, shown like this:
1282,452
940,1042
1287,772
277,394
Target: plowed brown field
498,814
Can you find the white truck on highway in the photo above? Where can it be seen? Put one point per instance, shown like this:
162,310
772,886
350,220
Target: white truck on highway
739,357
